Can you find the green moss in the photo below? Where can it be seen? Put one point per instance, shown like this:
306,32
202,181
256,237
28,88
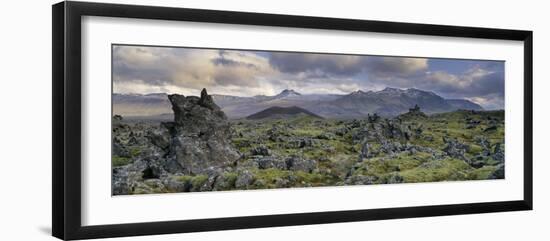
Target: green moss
482,173
118,161
314,179
384,165
199,180
271,178
184,179
439,170
135,151
195,181
271,174
230,178
307,132
475,149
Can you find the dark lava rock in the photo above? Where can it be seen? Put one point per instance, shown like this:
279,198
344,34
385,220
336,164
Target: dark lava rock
295,163
455,149
199,116
261,151
244,179
300,142
490,128
159,138
393,178
270,162
200,136
119,149
361,180
498,173
365,153
498,154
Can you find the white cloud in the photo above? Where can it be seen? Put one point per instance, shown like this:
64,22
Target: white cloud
186,68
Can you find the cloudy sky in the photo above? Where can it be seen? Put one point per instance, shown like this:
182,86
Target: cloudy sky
138,69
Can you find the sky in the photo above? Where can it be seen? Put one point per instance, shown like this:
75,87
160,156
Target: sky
143,69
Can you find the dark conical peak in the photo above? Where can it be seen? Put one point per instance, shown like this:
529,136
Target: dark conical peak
206,100
288,92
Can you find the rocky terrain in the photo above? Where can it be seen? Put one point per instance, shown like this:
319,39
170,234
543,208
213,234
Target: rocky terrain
202,150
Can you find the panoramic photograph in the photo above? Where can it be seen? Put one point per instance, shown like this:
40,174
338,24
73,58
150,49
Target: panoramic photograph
197,120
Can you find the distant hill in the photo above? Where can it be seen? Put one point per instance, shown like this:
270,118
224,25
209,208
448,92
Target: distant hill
357,104
464,105
389,102
277,112
287,93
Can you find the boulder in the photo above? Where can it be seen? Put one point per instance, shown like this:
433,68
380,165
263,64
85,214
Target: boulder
360,180
119,149
244,180
129,179
498,173
455,149
295,163
365,151
260,151
270,162
300,142
200,135
160,138
393,178
498,153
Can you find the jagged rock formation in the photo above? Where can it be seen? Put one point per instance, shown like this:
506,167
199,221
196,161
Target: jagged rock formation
197,142
200,135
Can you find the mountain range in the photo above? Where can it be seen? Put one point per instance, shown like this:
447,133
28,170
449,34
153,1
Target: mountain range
386,102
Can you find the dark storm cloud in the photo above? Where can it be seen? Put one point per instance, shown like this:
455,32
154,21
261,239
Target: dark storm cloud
474,82
492,83
345,65
481,81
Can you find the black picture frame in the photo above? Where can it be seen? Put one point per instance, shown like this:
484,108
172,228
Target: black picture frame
66,75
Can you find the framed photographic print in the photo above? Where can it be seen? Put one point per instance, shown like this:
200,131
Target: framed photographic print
169,120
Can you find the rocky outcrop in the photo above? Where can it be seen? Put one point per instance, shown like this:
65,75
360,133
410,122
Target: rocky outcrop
498,154
196,143
455,149
296,163
200,135
261,151
498,173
